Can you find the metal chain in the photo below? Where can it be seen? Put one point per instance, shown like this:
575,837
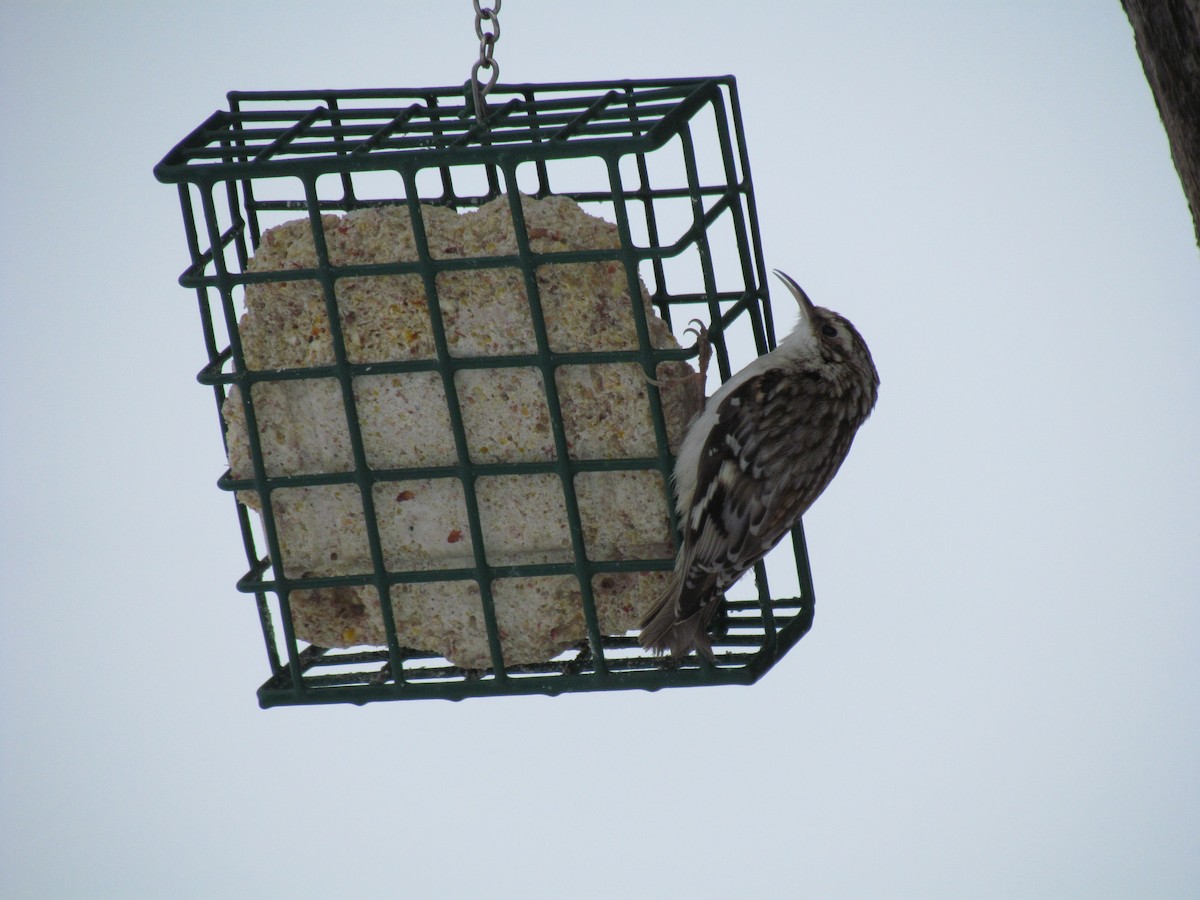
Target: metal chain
487,40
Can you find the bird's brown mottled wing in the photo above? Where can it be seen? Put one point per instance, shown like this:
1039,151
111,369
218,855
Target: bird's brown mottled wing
767,432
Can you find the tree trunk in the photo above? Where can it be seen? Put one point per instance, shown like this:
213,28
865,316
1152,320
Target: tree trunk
1167,34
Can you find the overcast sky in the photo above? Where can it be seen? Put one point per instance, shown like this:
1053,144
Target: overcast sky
1000,696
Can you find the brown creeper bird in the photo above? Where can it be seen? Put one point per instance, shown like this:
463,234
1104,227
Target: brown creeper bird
764,447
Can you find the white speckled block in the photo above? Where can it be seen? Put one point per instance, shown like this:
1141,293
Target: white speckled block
423,523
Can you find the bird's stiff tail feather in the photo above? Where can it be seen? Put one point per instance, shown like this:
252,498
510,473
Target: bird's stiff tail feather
663,629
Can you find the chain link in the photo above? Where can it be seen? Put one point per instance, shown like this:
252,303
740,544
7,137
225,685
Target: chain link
487,40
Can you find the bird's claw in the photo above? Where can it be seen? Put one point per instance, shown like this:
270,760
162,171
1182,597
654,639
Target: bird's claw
705,354
702,344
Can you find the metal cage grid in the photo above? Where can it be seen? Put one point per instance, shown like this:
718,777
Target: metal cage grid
673,156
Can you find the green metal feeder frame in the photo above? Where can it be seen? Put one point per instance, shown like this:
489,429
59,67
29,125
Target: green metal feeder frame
663,159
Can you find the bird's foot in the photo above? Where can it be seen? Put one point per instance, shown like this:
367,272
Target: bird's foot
704,356
702,344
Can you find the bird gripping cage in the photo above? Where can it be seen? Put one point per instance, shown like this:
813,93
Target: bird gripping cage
664,164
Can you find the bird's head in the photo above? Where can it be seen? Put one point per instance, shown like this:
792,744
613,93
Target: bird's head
833,339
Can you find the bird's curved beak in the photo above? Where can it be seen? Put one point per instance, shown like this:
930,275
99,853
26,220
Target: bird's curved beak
806,305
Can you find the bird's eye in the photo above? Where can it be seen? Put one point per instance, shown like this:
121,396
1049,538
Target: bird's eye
829,331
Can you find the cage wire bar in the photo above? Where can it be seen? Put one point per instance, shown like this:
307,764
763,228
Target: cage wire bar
678,187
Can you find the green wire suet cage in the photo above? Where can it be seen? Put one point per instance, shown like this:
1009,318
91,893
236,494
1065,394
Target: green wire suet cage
664,160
